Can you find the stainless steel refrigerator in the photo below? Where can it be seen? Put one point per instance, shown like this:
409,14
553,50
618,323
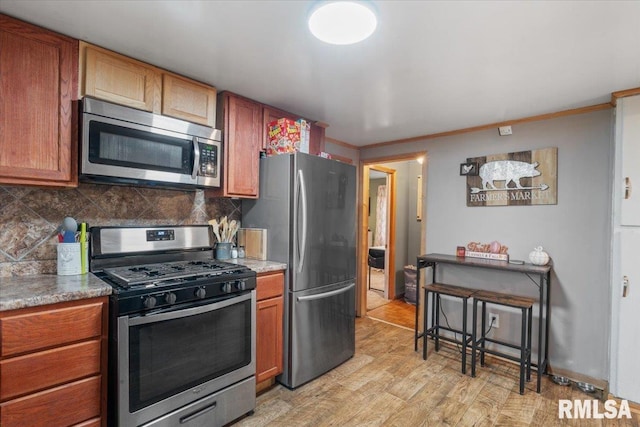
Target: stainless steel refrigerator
308,205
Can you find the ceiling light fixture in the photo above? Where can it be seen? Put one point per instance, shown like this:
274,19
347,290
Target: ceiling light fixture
342,22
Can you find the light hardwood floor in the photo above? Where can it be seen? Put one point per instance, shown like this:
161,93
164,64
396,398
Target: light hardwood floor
386,383
396,312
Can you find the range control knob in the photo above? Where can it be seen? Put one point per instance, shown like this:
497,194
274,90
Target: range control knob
170,298
241,285
227,288
201,293
149,302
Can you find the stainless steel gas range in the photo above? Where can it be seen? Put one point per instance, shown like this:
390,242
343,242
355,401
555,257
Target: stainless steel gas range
182,327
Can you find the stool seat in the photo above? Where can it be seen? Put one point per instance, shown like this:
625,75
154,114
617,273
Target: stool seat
434,331
522,303
450,290
515,301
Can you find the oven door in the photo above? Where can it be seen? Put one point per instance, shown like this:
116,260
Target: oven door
167,360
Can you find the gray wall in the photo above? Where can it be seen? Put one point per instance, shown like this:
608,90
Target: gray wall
341,150
575,232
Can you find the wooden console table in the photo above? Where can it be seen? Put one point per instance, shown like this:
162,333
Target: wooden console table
543,282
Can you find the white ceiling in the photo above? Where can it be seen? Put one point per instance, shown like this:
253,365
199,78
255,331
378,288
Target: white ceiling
431,66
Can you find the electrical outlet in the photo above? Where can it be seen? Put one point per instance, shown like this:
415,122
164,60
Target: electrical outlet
495,318
505,130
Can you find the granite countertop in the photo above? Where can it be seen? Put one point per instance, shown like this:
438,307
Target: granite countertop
34,290
257,265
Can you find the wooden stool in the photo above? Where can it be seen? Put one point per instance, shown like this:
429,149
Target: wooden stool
478,345
438,289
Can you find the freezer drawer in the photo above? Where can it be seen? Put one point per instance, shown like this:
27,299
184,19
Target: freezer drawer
322,331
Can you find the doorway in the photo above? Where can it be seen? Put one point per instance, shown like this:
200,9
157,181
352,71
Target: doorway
380,236
408,183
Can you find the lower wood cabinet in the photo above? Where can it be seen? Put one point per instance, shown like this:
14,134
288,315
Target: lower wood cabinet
270,306
53,364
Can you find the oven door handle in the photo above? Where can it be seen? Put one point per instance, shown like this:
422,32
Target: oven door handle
186,312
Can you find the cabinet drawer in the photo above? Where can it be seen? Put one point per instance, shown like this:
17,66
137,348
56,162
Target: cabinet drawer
47,328
61,406
33,372
269,286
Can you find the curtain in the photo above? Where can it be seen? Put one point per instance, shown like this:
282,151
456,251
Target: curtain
381,217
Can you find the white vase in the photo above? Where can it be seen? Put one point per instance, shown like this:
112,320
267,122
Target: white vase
538,256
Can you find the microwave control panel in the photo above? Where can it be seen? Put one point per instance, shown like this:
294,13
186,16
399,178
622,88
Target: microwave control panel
208,160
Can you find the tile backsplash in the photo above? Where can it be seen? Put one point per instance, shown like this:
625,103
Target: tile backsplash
29,217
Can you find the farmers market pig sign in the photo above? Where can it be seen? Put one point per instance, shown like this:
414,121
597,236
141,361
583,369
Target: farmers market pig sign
522,178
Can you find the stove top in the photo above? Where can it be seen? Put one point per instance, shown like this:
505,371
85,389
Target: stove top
169,273
163,268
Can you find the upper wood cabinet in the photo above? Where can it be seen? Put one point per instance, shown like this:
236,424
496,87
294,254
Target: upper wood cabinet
188,100
241,123
38,82
116,78
113,77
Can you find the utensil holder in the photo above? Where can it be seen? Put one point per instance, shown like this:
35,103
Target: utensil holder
223,250
69,259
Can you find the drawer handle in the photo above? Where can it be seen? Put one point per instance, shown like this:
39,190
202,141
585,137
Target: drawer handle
196,414
627,188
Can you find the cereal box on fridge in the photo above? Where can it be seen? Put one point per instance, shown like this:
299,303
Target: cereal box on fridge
288,136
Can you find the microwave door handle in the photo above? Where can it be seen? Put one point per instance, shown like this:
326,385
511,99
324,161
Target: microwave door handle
196,158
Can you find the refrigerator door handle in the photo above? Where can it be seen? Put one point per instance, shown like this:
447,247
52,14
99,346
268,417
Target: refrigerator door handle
302,246
327,294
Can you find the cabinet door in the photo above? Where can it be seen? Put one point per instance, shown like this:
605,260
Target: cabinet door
628,316
316,139
242,147
269,338
630,109
121,80
188,100
38,80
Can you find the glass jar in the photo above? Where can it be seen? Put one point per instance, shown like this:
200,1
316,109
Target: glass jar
234,253
241,253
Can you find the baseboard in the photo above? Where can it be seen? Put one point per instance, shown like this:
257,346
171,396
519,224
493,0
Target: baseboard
601,386
265,385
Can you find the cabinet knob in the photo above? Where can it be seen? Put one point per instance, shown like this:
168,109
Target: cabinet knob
625,286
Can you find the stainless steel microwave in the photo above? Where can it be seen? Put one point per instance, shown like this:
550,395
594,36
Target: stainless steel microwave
122,145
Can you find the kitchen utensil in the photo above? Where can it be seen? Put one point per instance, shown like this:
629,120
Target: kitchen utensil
83,248
216,228
69,224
